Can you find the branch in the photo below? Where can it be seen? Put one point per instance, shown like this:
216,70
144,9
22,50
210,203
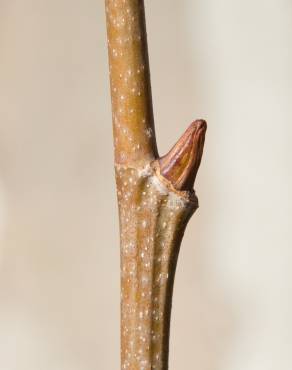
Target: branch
130,82
155,195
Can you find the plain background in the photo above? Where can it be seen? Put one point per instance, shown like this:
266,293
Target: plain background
228,61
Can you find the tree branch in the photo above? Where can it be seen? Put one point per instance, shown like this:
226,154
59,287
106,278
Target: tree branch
155,195
130,82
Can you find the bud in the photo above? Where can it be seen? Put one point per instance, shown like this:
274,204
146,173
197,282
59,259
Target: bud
180,165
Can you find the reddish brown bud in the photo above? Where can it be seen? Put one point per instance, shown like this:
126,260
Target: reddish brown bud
180,165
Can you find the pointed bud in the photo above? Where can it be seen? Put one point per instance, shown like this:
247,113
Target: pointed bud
180,165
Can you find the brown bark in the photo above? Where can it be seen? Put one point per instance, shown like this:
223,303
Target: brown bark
155,194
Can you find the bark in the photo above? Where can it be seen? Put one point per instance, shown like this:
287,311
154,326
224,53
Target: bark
155,194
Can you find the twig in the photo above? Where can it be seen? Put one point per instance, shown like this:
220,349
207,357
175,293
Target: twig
155,194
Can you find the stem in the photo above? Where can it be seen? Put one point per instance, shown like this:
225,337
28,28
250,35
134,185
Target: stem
130,82
155,195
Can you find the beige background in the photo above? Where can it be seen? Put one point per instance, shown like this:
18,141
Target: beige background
228,61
